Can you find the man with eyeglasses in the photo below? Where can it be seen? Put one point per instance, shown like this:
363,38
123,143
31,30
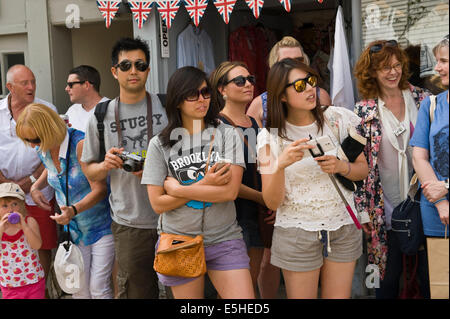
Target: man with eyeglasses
83,88
19,163
128,122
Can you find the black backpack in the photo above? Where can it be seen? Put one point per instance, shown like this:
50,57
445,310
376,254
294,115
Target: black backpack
100,113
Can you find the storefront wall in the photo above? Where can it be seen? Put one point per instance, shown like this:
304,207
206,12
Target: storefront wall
273,16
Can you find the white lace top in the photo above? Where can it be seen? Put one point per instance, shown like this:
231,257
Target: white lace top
311,202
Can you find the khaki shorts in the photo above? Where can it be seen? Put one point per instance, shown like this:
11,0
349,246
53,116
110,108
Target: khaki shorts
296,249
135,254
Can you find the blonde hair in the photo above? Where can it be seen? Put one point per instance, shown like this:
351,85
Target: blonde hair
219,77
286,42
22,208
442,44
47,124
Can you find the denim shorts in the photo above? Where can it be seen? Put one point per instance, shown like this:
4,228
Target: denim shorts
226,255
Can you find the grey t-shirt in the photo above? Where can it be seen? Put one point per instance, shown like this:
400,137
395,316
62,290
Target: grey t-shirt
186,161
129,201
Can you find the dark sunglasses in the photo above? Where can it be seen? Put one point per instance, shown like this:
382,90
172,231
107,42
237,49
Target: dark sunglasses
300,84
71,84
195,95
240,80
36,140
125,65
377,47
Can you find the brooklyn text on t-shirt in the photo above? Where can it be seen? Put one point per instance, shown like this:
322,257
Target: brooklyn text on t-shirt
225,146
194,160
134,122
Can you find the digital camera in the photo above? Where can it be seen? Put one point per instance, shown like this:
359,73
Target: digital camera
322,144
131,162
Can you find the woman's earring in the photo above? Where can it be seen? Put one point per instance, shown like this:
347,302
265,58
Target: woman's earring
224,97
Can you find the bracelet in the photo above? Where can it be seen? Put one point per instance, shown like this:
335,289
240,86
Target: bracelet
440,200
349,169
74,210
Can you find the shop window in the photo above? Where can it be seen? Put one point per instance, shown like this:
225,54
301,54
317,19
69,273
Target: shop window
417,25
7,61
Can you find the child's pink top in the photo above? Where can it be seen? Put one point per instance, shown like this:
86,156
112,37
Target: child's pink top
19,263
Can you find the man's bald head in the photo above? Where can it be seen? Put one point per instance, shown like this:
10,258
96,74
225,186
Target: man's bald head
21,83
17,70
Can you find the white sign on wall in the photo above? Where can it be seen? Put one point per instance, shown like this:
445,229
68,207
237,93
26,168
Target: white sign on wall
164,37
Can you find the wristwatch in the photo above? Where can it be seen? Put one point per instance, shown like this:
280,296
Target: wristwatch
33,179
446,183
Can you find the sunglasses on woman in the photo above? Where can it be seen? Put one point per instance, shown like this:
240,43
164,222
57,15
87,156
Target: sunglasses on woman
240,80
300,84
377,47
195,95
36,140
125,65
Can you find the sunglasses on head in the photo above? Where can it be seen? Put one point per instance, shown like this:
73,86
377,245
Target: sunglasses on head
240,80
125,65
71,84
377,47
36,140
300,84
195,95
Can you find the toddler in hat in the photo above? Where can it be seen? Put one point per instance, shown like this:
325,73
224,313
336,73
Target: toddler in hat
21,273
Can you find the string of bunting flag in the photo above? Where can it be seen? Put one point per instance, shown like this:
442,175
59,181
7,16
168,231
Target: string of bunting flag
141,9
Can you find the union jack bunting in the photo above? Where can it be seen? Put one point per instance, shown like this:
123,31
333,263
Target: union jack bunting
168,9
225,7
286,4
255,6
108,9
141,10
196,9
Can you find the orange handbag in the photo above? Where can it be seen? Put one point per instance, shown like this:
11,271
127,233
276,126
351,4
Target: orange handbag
181,256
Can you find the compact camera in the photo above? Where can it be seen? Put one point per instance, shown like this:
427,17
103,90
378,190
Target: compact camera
131,162
322,144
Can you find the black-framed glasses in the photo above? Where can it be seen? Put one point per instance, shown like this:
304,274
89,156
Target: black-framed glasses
377,47
125,65
71,84
195,95
240,80
36,140
300,84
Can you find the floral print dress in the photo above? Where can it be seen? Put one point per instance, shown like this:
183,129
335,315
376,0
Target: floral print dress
370,196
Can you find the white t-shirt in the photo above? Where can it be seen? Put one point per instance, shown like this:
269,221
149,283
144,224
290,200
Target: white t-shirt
79,117
18,160
311,202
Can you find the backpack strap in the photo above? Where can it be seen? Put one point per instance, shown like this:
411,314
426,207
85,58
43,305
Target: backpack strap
100,112
432,107
162,98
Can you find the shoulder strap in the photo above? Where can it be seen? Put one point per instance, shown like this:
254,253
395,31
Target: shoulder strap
100,112
332,128
432,107
162,98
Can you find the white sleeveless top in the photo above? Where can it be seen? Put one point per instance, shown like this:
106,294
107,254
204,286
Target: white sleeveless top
311,202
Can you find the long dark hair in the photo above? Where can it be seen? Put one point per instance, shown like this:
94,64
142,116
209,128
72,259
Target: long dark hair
182,84
277,80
